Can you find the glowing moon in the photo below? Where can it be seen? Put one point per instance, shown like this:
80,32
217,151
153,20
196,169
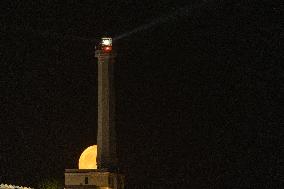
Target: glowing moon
88,158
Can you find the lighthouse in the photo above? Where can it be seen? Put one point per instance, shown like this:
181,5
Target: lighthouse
105,174
106,136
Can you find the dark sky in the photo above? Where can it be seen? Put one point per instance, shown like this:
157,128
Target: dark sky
198,97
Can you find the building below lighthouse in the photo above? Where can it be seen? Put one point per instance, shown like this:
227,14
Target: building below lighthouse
92,179
102,172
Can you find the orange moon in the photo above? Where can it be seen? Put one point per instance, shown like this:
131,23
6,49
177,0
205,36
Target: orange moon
88,158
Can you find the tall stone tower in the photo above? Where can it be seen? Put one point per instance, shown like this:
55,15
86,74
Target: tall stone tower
106,138
107,175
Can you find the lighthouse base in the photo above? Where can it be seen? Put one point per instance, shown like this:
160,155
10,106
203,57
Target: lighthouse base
92,179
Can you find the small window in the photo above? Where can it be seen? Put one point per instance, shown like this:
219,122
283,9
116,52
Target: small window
86,180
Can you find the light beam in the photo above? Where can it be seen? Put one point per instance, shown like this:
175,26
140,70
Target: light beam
163,19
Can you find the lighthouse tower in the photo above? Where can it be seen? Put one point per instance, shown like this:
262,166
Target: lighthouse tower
106,138
106,176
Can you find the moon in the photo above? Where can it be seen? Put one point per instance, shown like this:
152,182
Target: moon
88,158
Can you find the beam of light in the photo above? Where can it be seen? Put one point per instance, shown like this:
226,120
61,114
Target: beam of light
182,12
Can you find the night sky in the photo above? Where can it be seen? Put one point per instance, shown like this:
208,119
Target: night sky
197,96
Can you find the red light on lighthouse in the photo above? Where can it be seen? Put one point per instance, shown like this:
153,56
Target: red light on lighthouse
107,48
106,44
